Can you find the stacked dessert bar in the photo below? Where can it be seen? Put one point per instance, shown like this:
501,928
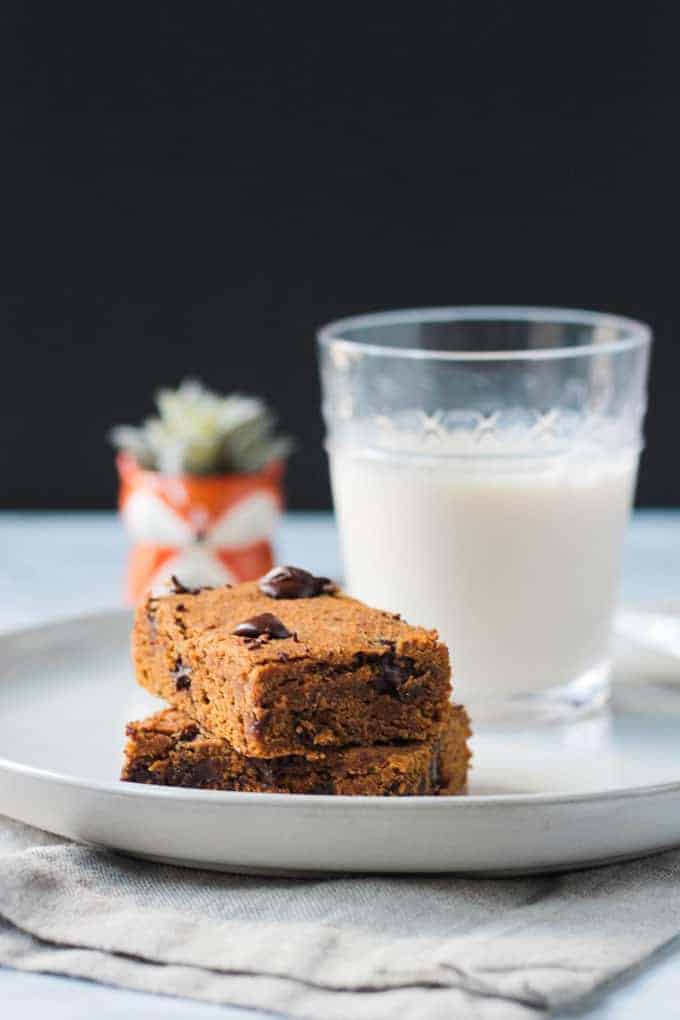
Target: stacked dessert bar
288,686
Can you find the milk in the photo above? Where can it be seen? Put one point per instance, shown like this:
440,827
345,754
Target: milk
514,561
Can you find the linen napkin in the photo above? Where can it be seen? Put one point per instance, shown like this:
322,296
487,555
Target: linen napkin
337,947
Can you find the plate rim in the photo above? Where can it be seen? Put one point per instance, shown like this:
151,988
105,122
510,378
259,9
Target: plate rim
295,800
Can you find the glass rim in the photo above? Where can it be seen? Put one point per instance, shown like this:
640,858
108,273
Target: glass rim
633,333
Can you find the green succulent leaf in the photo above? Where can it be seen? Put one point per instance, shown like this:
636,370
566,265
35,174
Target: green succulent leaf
197,431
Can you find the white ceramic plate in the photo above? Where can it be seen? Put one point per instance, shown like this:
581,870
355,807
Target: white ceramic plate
557,797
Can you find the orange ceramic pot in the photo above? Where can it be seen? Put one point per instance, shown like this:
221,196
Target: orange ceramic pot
205,529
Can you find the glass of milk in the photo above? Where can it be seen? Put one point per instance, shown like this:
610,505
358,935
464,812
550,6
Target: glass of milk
483,464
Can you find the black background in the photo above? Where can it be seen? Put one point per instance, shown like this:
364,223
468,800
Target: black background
193,189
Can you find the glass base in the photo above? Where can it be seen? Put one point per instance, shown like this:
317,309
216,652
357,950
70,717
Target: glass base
589,693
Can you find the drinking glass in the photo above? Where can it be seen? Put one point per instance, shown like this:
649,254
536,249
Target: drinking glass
483,464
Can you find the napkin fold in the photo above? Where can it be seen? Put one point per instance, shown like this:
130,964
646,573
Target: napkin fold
337,947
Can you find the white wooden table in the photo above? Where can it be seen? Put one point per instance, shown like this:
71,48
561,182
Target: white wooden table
62,564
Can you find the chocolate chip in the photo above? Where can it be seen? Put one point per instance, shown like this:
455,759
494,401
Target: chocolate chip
380,684
181,675
436,771
177,588
294,583
397,788
360,659
395,674
151,607
189,732
257,727
392,678
304,737
266,771
206,772
265,623
139,773
323,788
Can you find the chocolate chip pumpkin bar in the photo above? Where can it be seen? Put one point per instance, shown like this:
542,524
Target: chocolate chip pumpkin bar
289,664
170,749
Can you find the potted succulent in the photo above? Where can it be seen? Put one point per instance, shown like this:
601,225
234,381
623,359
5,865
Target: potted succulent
200,489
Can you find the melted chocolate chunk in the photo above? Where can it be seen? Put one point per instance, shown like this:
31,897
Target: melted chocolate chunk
363,659
189,732
206,771
266,771
265,623
177,588
294,583
436,771
303,737
392,677
181,675
323,788
257,727
151,607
